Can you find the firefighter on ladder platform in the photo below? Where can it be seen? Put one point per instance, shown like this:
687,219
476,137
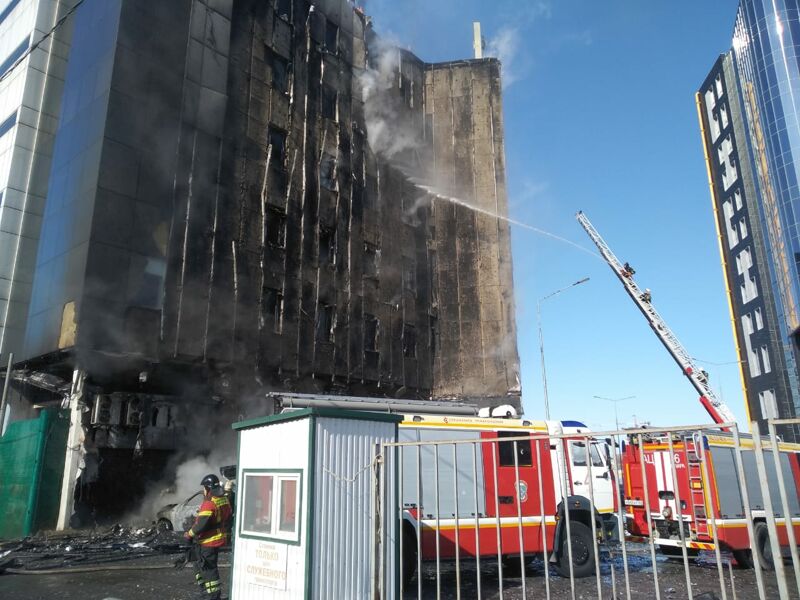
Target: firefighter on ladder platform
210,531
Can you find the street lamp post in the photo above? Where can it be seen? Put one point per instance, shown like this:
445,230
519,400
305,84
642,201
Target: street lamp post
541,339
615,401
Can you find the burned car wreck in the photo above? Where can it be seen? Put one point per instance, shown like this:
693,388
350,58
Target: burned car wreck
179,516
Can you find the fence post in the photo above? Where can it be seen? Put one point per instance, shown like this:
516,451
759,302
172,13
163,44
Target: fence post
769,511
4,398
787,514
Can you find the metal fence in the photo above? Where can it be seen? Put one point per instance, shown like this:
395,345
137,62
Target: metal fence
485,517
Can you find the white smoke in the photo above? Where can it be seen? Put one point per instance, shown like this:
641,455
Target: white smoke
505,47
387,130
186,482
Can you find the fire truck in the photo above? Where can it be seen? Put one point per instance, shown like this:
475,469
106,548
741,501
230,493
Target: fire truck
502,497
470,489
701,497
697,488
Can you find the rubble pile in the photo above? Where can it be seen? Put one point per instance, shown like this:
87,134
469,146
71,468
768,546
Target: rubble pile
65,550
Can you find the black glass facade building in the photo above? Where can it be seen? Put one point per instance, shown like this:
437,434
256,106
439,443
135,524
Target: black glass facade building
749,114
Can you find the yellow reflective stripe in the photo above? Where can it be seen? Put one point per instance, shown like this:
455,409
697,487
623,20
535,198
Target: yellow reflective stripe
212,535
205,513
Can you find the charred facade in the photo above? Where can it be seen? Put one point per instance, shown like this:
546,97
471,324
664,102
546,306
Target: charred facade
251,196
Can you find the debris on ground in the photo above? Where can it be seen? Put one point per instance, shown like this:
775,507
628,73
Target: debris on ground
61,550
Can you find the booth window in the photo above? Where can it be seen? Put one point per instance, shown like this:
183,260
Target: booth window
271,505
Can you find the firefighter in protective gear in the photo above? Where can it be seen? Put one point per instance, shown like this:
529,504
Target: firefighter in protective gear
211,532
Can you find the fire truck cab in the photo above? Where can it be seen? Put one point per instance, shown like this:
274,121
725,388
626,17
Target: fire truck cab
701,496
502,497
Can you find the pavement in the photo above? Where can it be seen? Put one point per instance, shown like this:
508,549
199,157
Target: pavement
672,581
155,577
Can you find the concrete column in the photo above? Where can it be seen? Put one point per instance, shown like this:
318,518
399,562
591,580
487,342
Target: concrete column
73,457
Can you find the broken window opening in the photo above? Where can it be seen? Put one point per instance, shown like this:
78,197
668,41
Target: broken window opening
327,172
326,321
405,85
276,228
327,247
371,259
344,145
409,341
371,359
433,266
283,8
428,127
433,329
329,97
280,72
272,310
371,191
331,36
371,330
277,139
410,276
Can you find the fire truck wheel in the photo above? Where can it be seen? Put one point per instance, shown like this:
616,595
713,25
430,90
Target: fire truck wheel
744,558
762,546
409,555
582,552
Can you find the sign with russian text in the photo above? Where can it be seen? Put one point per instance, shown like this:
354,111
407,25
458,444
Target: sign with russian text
266,565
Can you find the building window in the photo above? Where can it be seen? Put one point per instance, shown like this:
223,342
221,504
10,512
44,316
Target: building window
769,409
327,247
742,228
272,311
328,102
747,324
759,319
325,322
405,86
410,276
371,259
749,290
371,329
409,341
280,72
331,36
271,505
727,211
434,333
327,172
737,199
765,364
344,145
718,84
723,113
276,228
276,138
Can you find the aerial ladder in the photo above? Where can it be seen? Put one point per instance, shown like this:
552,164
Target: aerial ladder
718,410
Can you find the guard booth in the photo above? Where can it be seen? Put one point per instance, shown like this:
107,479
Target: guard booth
305,525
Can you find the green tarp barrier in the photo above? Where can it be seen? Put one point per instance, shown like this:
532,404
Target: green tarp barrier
31,467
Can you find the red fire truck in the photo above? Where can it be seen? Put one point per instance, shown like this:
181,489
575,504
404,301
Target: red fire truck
699,498
489,497
692,500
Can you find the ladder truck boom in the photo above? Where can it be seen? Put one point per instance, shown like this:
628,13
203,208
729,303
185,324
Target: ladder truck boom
718,410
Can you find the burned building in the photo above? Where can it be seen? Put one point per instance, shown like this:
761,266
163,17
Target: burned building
259,195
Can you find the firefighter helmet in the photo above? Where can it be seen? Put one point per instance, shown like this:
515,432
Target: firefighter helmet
210,481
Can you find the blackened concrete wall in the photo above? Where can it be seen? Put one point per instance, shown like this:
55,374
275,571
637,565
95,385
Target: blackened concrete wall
268,204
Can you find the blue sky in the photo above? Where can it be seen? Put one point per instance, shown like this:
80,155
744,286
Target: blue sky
600,116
